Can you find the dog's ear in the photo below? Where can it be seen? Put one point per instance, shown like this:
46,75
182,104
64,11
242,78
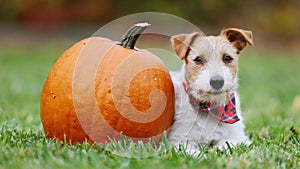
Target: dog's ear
181,43
238,37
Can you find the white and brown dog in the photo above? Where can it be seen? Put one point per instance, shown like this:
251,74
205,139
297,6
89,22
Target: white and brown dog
207,104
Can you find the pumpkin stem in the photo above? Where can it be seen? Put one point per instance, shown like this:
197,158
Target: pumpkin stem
131,36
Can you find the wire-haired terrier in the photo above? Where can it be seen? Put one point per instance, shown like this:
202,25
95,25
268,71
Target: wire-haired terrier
207,104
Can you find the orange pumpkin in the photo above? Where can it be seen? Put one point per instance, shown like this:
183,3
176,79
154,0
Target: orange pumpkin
99,88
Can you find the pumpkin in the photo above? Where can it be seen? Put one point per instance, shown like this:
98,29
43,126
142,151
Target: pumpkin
100,88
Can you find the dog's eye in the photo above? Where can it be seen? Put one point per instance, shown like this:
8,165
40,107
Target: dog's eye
227,59
199,60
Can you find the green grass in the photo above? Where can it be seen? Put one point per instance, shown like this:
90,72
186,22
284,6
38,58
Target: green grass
269,82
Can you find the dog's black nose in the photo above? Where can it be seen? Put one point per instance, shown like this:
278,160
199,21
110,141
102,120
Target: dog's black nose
216,82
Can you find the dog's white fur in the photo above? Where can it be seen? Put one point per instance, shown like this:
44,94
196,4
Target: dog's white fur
197,127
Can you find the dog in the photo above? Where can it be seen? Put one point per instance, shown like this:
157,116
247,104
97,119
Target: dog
207,105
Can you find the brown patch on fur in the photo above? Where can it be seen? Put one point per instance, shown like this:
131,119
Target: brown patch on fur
192,40
233,66
233,69
204,94
181,44
238,37
186,60
192,71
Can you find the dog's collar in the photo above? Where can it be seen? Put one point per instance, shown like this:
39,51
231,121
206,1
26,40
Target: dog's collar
225,113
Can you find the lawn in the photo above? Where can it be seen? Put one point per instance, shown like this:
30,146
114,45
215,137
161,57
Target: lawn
269,82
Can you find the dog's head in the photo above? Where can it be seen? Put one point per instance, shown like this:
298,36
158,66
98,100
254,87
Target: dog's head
211,62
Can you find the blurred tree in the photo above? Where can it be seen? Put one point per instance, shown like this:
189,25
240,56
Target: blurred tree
277,18
48,13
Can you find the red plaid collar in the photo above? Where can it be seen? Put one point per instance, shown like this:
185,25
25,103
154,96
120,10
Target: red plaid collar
225,113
